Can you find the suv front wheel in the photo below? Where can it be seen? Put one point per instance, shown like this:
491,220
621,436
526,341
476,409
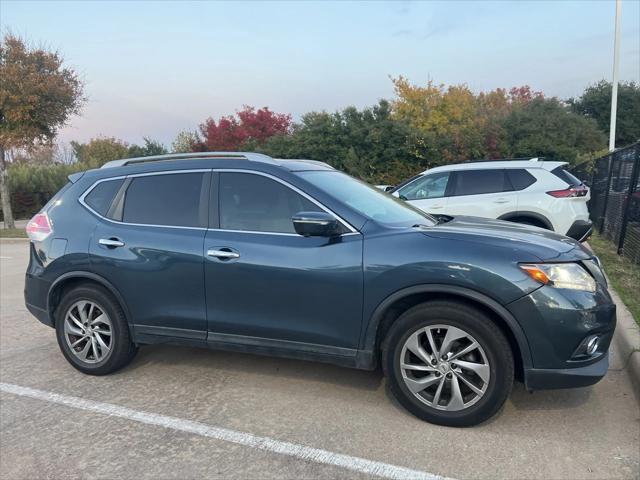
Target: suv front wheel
92,331
448,363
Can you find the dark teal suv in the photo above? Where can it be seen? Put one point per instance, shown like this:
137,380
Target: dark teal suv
239,251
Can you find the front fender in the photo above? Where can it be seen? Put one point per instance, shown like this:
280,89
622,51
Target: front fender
371,332
404,263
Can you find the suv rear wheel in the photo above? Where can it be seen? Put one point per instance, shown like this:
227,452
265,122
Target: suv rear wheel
92,331
448,363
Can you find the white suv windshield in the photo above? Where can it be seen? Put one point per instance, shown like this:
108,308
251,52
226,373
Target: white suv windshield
367,200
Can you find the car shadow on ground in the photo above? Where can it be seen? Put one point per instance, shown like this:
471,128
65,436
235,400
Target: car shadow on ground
523,400
256,365
560,399
233,362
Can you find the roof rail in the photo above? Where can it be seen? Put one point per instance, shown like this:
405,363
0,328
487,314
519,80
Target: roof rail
254,157
534,159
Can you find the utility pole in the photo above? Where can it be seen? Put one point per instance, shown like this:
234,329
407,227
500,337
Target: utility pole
614,90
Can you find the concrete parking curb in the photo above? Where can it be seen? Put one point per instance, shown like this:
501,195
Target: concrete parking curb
627,340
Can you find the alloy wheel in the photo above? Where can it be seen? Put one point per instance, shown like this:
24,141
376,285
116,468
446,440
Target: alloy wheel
445,367
88,331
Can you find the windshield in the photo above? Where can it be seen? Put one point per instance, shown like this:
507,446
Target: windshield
367,200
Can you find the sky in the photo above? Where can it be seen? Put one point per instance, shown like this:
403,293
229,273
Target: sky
155,68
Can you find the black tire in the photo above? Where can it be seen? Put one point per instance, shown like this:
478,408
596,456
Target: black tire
122,348
487,334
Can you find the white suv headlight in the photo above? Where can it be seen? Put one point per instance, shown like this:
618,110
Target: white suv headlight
561,275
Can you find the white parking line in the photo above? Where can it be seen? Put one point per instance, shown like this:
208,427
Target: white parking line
310,454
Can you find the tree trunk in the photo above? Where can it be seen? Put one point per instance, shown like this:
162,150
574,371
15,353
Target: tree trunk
4,192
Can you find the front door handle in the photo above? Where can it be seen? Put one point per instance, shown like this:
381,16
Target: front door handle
111,242
223,253
435,207
501,200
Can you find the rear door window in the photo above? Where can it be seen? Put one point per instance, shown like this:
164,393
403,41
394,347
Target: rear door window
177,199
476,182
520,178
101,196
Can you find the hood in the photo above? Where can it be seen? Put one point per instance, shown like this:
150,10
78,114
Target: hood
543,244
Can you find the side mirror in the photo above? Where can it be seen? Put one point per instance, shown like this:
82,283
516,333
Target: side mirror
315,224
388,188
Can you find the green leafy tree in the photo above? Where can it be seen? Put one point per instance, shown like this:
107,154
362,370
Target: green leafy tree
546,128
366,143
99,151
38,94
150,147
32,185
595,102
185,142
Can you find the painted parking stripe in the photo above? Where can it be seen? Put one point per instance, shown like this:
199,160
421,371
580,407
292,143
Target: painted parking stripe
302,452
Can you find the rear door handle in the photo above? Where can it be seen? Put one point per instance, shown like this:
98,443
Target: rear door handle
223,253
111,242
501,200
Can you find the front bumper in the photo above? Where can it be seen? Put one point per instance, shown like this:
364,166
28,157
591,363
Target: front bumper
548,378
556,322
580,230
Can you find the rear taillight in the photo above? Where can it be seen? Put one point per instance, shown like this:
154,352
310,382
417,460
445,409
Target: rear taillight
579,191
39,227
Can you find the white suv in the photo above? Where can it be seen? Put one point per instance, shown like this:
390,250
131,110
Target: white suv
533,192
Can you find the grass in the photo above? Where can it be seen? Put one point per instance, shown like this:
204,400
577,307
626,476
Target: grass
12,233
623,274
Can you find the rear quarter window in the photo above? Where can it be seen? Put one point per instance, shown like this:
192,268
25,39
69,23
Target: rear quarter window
520,178
566,177
101,196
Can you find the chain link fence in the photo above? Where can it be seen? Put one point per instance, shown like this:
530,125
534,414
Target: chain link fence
615,198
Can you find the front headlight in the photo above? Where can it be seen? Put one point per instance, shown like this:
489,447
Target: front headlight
561,275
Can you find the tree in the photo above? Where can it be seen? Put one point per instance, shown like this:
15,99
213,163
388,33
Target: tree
151,147
37,97
447,118
185,142
99,151
546,128
366,143
595,102
39,155
249,125
454,123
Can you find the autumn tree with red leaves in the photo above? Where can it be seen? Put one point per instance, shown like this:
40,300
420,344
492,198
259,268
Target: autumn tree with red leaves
246,126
